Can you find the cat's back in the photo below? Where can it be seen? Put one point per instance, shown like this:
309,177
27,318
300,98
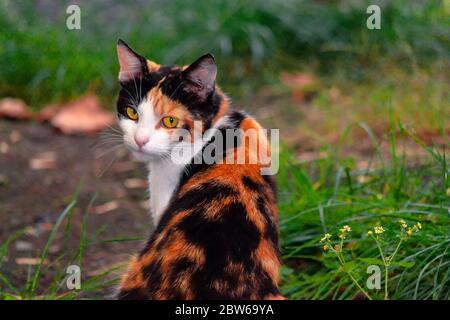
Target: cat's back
218,237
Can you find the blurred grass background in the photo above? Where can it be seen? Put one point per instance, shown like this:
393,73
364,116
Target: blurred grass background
42,61
367,147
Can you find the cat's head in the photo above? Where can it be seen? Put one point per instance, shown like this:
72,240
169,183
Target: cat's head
158,105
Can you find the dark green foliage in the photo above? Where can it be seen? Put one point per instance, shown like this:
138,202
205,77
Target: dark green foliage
42,61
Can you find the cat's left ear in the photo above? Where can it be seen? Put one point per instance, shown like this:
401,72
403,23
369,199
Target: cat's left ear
200,77
132,65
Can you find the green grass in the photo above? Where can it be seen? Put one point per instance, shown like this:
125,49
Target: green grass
54,286
314,198
325,195
42,61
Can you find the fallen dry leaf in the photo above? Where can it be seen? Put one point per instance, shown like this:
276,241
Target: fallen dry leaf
106,207
309,156
45,160
135,183
15,136
30,261
42,227
23,245
84,115
124,166
301,84
55,248
4,147
298,80
47,113
14,109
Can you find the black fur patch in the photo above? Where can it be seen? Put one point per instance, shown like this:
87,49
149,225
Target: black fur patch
270,231
252,185
271,182
266,285
195,198
230,238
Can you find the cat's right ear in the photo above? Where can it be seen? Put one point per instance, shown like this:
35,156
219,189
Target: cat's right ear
132,65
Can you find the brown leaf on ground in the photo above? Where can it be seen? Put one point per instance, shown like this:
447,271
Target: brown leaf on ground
302,85
45,160
436,137
84,115
23,245
11,108
124,166
106,207
30,261
135,183
47,113
4,147
15,136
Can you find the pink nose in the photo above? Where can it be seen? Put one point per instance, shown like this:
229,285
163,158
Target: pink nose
141,140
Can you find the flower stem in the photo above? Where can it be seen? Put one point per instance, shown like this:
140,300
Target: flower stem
342,262
395,251
386,279
386,268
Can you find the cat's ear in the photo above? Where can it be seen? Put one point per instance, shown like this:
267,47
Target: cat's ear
200,77
132,65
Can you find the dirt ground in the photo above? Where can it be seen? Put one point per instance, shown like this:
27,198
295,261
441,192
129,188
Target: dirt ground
40,170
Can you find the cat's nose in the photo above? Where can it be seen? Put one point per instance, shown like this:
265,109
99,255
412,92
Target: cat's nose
141,139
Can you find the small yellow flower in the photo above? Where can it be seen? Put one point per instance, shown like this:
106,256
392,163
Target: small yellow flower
343,231
403,223
370,232
326,247
409,232
346,229
326,237
419,225
378,230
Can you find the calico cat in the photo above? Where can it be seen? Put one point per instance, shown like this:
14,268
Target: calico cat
216,224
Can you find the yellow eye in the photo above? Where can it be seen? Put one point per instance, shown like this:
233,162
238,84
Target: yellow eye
169,122
132,114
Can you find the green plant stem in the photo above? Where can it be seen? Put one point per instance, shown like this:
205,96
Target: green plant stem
342,262
386,279
395,251
386,270
387,262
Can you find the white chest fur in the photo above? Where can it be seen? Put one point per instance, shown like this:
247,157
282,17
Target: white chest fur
163,179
